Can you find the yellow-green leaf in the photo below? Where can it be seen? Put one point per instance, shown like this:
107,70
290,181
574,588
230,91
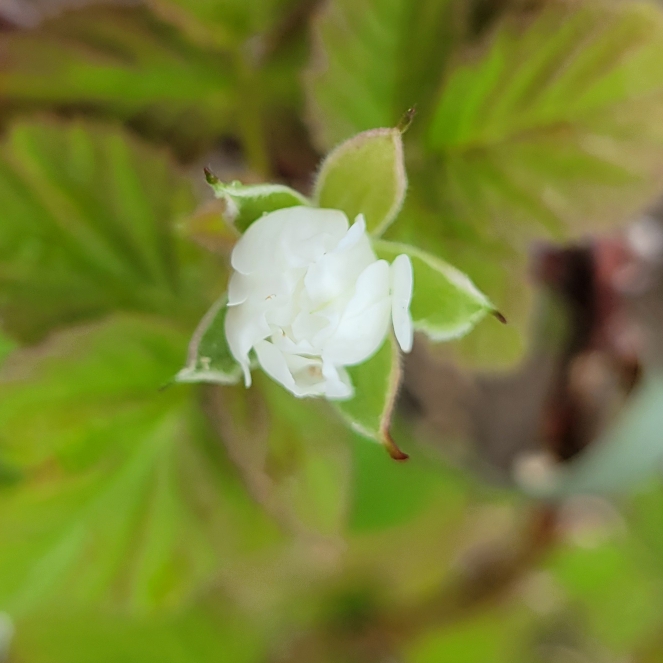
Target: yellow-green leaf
209,358
376,384
445,303
365,175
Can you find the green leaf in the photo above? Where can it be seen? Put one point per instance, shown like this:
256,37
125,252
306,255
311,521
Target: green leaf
373,60
87,218
365,175
539,133
209,358
246,204
496,269
445,303
376,384
532,79
127,500
120,62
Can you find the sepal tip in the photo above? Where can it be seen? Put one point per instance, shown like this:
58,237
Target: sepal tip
392,448
211,178
406,120
500,317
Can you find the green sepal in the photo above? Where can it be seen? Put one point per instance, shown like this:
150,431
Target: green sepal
376,384
365,175
445,303
209,357
247,203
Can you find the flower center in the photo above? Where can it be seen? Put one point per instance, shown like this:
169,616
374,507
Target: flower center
315,371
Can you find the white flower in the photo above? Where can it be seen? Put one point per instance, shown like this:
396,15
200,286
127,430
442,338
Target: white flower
310,297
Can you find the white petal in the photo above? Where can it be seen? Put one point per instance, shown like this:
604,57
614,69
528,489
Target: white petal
239,289
290,237
286,345
273,362
401,297
280,310
358,338
303,376
371,286
245,326
255,249
354,234
337,382
365,321
310,233
308,326
336,272
332,313
308,376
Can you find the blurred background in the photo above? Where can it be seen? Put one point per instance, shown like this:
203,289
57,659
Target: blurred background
214,524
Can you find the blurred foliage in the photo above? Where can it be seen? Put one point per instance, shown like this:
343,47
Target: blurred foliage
192,524
86,228
196,636
120,62
225,23
541,128
123,493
